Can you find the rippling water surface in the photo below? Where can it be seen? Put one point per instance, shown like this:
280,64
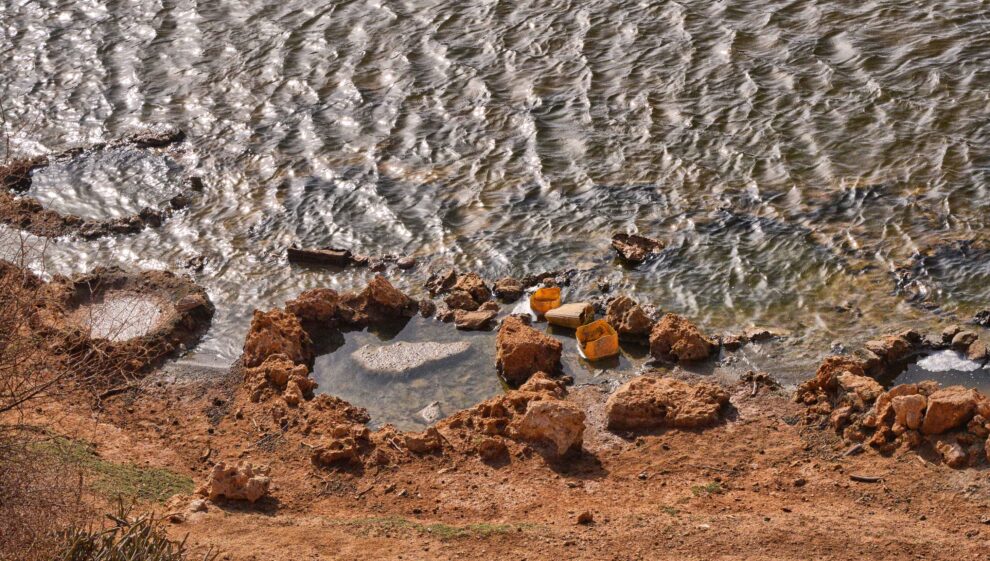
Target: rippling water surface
792,154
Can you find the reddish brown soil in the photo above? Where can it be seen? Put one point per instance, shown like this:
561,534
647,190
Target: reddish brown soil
759,486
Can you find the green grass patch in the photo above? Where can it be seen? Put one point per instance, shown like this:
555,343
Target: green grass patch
713,488
438,529
670,511
118,481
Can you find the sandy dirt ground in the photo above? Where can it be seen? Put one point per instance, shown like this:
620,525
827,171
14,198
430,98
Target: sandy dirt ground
760,485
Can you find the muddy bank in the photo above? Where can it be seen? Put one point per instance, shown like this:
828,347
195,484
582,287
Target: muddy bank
114,324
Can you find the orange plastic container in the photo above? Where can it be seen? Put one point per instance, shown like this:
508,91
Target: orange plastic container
598,340
544,300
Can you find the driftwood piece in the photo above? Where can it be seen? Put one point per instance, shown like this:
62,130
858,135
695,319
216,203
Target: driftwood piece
324,256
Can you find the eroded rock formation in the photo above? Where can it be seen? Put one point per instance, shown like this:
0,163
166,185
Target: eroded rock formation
522,351
651,402
674,337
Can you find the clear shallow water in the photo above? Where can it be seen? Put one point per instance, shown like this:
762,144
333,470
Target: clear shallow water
108,184
791,154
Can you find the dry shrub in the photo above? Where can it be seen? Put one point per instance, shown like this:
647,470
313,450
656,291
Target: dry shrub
125,538
39,493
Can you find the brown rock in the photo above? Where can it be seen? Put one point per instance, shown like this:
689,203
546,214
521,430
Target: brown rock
977,351
978,426
557,423
628,318
634,248
762,334
949,332
509,289
337,450
909,410
474,285
952,453
461,300
827,376
523,351
427,308
864,387
441,282
238,482
650,402
964,339
473,321
676,337
891,349
948,408
424,442
316,305
585,518
406,263
378,303
731,342
490,306
276,332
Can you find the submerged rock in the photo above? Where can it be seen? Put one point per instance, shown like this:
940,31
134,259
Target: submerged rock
522,351
474,321
651,402
404,357
634,248
441,282
238,482
677,338
509,289
628,318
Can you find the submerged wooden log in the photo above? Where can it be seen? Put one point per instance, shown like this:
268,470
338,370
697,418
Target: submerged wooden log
323,256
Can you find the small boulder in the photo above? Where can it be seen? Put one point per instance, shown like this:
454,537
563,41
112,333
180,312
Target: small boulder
676,337
316,305
964,339
978,351
406,263
424,442
762,334
461,300
909,410
427,307
522,351
949,408
628,318
650,402
378,303
952,453
441,282
866,388
557,423
634,248
473,284
474,321
276,332
239,483
509,289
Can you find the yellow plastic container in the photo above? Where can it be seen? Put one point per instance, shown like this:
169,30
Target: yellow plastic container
598,340
544,300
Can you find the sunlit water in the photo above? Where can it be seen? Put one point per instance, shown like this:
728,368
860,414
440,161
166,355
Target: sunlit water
791,154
